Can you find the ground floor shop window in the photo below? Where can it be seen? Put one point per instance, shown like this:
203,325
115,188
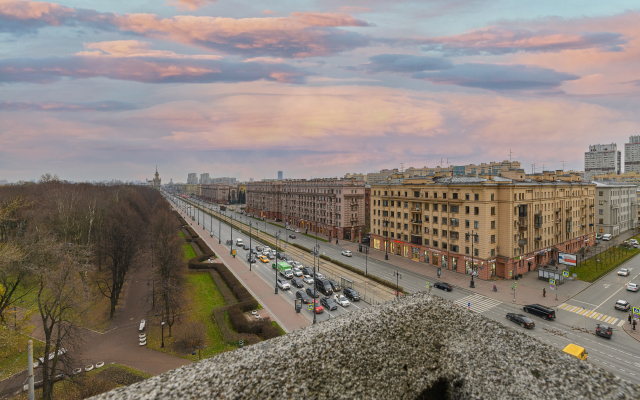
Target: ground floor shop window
426,256
415,253
435,259
376,244
406,251
493,269
393,248
454,263
444,261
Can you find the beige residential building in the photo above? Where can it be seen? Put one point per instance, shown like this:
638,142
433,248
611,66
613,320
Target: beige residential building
627,177
331,207
186,188
494,225
223,193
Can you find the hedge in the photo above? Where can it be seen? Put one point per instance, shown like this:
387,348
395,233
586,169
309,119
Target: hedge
241,324
229,335
191,232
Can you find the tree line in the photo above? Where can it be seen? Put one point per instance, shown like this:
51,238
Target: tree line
64,246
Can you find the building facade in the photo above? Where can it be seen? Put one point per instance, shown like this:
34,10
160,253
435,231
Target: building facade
626,177
616,207
632,154
221,193
601,159
334,208
186,188
192,179
380,176
204,178
492,225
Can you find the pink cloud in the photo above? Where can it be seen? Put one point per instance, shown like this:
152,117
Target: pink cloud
190,4
135,48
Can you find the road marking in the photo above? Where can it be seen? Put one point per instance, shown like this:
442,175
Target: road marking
602,318
572,308
613,321
608,319
478,302
584,312
590,313
610,297
621,323
562,306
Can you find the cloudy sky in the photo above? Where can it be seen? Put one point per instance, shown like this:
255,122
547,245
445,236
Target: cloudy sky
109,89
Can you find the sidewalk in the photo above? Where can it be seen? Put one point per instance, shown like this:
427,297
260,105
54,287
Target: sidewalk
629,329
276,305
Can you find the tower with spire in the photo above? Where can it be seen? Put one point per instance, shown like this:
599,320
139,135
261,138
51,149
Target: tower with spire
157,182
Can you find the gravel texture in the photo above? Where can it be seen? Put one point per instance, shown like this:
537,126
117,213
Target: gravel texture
419,347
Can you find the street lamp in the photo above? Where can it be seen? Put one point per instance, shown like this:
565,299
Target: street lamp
473,236
250,248
398,276
366,259
276,270
162,325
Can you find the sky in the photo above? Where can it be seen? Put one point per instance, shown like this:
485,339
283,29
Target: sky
106,90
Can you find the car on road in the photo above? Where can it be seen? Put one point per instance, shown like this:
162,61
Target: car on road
265,252
623,272
319,308
443,286
270,256
253,251
307,271
259,249
632,287
351,294
297,282
267,249
239,242
622,305
313,293
307,279
334,285
347,253
341,300
324,287
319,275
283,284
296,271
297,231
264,259
301,294
295,264
292,236
251,258
521,320
245,247
540,311
280,255
604,331
329,303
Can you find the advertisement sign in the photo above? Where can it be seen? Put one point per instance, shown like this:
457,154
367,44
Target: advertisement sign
567,259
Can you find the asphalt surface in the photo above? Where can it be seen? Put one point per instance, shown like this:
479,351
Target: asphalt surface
620,354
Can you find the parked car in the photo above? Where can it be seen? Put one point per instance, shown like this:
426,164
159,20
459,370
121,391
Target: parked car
622,305
604,331
346,253
296,271
443,286
297,282
301,294
292,236
313,293
334,285
521,320
623,272
341,300
606,236
324,287
351,294
264,259
283,284
633,242
540,311
297,230
632,287
329,303
307,279
307,271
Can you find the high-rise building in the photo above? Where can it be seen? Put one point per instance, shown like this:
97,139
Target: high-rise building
204,178
192,179
632,154
279,175
616,207
601,159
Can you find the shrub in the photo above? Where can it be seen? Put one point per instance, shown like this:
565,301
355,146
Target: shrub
190,335
269,331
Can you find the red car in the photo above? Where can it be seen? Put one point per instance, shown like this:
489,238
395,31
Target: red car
319,309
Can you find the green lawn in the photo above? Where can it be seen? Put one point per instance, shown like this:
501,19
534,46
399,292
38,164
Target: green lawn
591,270
181,235
202,296
13,352
189,253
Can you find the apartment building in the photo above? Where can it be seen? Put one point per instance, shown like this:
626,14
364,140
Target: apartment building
221,193
632,178
601,159
204,178
495,226
632,154
332,207
491,168
186,188
616,207
192,179
380,176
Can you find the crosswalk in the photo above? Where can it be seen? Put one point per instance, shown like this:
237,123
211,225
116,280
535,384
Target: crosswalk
592,314
477,303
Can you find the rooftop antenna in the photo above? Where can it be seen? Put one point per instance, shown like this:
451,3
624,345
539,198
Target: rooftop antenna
447,163
510,155
402,167
563,162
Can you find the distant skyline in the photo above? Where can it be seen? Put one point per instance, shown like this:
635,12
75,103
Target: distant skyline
108,89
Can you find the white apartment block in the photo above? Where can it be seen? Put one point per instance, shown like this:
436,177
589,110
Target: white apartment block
632,154
204,178
601,159
192,179
616,208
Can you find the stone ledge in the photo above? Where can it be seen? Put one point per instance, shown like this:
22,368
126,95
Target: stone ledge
417,347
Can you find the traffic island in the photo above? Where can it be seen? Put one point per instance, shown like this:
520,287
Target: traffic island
415,347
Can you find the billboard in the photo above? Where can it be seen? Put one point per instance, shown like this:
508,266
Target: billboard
567,259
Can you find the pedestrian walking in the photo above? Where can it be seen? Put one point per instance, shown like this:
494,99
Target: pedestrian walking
544,292
629,317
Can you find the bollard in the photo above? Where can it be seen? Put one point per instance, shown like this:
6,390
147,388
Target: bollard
240,343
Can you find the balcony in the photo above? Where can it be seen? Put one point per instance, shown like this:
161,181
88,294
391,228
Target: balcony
569,208
537,238
416,221
522,242
522,228
591,206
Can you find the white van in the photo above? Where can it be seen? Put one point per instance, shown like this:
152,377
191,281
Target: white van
606,236
239,242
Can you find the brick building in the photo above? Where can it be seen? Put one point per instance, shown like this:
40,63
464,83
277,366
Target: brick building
331,207
492,225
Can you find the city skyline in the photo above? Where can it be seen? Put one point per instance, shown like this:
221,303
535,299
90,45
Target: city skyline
313,88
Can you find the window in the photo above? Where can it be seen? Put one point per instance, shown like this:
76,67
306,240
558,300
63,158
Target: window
466,209
476,238
426,230
385,192
435,195
385,203
406,227
435,243
493,239
600,212
454,235
435,232
444,220
392,203
406,215
493,211
476,196
444,245
405,194
444,195
385,214
454,209
476,224
426,195
454,248
493,224
466,250
492,197
455,196
601,202
493,252
476,252
466,197
378,212
391,234
601,222
416,194
466,237
392,214
435,219
426,207
444,233
466,223
454,221
435,207
444,208
601,193
476,210
426,241
426,218
406,204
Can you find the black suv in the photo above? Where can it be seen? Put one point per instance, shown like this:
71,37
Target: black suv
540,311
334,286
307,271
604,331
310,292
297,282
251,258
300,294
351,294
444,286
329,303
259,248
324,287
280,255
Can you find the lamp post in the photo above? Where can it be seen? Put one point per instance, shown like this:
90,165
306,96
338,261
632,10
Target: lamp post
250,248
398,276
276,270
162,325
473,236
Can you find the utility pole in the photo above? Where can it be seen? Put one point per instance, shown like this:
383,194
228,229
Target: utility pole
30,369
